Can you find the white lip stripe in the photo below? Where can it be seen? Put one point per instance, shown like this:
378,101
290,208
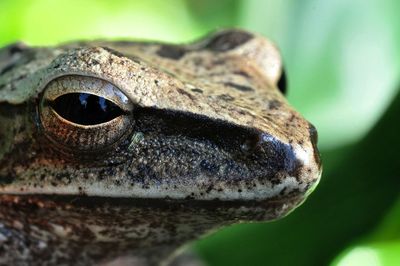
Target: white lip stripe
260,192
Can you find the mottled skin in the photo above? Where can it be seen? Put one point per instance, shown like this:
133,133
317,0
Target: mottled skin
206,139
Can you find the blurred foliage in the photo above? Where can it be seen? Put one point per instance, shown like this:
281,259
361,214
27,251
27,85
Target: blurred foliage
382,247
343,63
359,187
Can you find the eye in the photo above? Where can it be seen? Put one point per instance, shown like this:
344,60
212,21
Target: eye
84,113
85,108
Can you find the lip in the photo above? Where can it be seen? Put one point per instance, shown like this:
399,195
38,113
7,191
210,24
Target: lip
238,192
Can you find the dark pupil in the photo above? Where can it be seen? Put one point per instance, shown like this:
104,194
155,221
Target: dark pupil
85,109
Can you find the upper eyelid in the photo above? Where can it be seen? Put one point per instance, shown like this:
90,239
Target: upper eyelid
85,84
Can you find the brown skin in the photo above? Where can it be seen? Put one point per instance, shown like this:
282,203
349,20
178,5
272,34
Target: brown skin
200,137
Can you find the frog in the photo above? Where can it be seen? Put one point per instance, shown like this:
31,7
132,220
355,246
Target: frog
120,152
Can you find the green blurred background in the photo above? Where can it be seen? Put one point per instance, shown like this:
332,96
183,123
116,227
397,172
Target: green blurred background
342,60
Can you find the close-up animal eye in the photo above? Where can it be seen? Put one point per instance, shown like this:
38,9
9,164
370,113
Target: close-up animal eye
85,109
84,113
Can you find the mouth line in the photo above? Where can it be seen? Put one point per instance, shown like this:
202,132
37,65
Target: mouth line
53,201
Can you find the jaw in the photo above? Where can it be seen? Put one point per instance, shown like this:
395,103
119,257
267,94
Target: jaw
99,229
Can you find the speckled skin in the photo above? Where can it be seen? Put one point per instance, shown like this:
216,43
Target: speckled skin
210,141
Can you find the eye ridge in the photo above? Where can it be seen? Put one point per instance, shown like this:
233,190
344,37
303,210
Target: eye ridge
85,108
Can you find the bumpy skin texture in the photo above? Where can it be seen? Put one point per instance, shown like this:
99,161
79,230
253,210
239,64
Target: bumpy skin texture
211,141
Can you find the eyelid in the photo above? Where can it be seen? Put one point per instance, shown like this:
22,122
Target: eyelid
90,85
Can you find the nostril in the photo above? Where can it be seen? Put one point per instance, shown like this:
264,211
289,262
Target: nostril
250,144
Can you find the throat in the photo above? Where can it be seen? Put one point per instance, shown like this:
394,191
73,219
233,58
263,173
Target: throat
94,231
70,230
